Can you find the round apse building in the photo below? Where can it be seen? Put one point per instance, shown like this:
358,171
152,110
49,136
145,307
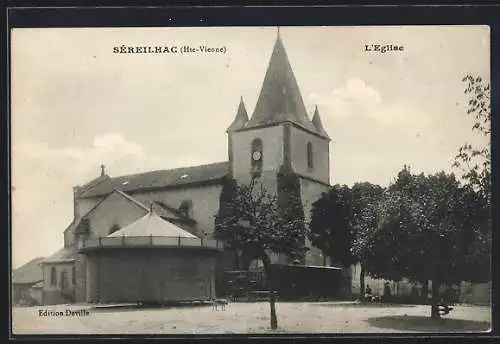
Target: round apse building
150,261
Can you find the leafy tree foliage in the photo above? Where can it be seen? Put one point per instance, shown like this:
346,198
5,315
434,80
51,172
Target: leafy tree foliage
475,162
331,226
429,228
341,221
252,219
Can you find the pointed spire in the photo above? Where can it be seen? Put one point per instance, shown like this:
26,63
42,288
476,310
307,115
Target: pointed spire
316,121
241,117
280,99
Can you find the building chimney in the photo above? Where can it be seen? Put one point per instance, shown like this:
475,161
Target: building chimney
103,172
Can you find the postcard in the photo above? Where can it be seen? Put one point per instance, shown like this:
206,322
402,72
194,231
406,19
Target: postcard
250,180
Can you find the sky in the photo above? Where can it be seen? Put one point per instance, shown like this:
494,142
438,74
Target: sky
76,105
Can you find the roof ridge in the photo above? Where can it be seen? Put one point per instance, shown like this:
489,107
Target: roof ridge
130,198
170,169
203,173
103,200
92,183
173,210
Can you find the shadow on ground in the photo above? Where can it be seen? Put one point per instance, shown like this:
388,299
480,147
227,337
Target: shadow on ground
149,306
363,305
426,324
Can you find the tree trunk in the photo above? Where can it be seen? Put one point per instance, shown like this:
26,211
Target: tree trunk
362,282
237,259
270,285
435,299
425,291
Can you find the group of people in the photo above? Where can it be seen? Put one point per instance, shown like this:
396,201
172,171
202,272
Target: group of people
448,296
368,296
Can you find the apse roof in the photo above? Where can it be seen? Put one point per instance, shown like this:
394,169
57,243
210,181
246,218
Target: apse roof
152,225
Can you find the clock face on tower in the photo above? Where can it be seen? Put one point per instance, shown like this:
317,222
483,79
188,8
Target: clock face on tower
256,156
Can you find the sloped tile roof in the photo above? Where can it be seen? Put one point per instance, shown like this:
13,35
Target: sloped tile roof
31,272
316,121
39,285
241,117
152,225
159,179
66,254
280,99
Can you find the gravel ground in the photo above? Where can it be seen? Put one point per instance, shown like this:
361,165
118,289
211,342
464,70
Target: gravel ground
247,318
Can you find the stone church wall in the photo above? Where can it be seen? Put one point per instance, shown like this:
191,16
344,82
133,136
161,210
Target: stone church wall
116,209
272,154
205,203
82,207
321,163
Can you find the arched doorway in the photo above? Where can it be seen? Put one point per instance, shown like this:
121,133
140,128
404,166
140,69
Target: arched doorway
256,274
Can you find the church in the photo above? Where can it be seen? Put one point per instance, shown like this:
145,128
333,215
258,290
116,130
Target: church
167,209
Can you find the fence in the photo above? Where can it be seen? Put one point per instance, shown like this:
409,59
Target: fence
290,282
149,241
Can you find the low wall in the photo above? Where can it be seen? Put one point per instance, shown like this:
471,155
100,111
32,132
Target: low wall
54,297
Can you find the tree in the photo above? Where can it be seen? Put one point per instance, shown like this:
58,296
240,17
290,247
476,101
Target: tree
331,227
424,233
475,162
340,222
365,199
255,221
227,210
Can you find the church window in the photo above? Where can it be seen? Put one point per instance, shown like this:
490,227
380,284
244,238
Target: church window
53,276
256,157
310,163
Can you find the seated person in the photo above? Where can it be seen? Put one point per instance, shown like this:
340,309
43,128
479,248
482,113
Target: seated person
368,293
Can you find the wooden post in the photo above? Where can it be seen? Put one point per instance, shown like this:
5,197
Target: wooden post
123,239
100,243
179,241
98,284
201,241
151,239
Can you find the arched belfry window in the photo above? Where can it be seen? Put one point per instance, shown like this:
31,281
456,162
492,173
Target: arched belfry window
310,161
53,276
256,156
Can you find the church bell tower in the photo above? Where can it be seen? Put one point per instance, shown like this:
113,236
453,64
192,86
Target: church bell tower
279,134
280,138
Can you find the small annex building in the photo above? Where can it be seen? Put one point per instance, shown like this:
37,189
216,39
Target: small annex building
58,270
25,281
150,260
